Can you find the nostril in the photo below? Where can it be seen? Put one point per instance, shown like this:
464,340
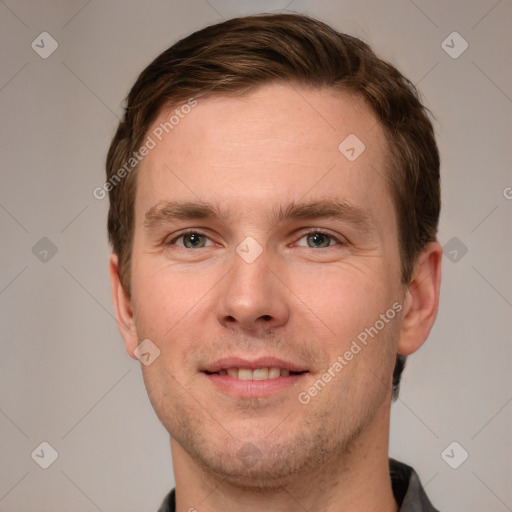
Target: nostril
266,317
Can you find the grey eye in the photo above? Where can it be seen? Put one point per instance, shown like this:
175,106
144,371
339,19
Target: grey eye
193,240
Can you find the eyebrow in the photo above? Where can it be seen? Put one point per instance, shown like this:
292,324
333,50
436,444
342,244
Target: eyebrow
165,212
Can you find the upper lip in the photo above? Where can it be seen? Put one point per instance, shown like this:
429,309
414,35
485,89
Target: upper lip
260,362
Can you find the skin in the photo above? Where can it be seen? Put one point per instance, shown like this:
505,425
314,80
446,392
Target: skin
304,299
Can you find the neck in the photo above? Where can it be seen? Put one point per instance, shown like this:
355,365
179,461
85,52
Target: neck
357,479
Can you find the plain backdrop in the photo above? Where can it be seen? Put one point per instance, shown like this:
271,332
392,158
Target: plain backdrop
65,378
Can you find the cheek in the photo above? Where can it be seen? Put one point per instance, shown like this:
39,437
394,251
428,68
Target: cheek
174,309
165,294
347,306
347,298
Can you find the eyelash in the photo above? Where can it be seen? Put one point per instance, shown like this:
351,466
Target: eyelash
304,233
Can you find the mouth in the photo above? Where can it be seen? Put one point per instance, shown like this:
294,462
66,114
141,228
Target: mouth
257,378
272,372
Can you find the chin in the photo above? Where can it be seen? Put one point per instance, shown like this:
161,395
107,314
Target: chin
260,464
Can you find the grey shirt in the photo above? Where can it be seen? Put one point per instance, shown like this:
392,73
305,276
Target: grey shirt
407,489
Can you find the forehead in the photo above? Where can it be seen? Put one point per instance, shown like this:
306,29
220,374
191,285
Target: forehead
277,144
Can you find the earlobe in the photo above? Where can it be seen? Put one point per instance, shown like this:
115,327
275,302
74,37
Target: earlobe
123,308
421,299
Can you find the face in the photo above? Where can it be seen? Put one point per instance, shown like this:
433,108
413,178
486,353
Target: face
262,252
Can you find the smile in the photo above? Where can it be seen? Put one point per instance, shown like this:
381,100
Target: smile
264,373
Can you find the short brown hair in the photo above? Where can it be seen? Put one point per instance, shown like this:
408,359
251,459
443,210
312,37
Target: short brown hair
237,56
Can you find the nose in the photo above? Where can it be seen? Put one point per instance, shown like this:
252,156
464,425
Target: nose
252,297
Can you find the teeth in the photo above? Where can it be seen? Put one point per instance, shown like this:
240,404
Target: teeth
258,374
274,372
244,374
233,373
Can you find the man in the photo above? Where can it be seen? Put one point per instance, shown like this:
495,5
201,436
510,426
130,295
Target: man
274,199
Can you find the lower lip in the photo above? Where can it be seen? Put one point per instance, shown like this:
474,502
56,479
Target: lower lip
253,388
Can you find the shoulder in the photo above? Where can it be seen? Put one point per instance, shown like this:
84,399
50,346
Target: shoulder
169,503
407,488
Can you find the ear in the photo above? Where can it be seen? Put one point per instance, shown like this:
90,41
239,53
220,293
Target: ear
123,307
421,300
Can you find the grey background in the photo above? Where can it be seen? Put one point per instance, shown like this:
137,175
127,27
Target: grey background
65,378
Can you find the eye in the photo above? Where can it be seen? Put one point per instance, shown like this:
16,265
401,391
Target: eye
319,240
196,240
190,240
